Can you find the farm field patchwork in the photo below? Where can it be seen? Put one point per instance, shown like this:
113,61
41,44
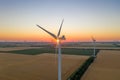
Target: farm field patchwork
37,67
105,67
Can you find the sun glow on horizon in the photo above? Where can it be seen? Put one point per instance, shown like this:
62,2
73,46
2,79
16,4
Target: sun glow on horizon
57,40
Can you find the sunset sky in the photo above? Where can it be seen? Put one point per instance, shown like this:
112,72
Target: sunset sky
82,19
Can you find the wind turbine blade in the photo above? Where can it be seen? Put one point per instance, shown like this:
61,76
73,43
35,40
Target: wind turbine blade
60,28
54,36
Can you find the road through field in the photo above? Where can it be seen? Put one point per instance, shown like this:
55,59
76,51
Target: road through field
37,67
105,67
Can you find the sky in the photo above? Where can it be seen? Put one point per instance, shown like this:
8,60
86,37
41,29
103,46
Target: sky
82,19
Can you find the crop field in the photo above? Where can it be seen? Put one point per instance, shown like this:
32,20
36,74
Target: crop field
40,63
37,67
35,63
16,48
40,50
105,67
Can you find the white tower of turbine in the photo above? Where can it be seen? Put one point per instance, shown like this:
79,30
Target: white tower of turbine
58,39
94,44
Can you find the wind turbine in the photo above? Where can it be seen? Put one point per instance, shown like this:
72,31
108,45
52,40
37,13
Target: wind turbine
94,43
58,39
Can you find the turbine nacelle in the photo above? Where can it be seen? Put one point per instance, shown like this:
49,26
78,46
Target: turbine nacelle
93,39
62,38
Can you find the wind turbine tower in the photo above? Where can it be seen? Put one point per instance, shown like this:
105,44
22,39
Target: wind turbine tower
58,40
94,43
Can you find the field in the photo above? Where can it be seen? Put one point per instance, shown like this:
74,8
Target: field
37,50
36,67
16,48
40,62
105,67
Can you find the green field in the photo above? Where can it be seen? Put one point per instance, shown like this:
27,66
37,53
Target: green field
35,51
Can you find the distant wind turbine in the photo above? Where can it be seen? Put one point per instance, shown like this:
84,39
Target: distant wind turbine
94,43
58,39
